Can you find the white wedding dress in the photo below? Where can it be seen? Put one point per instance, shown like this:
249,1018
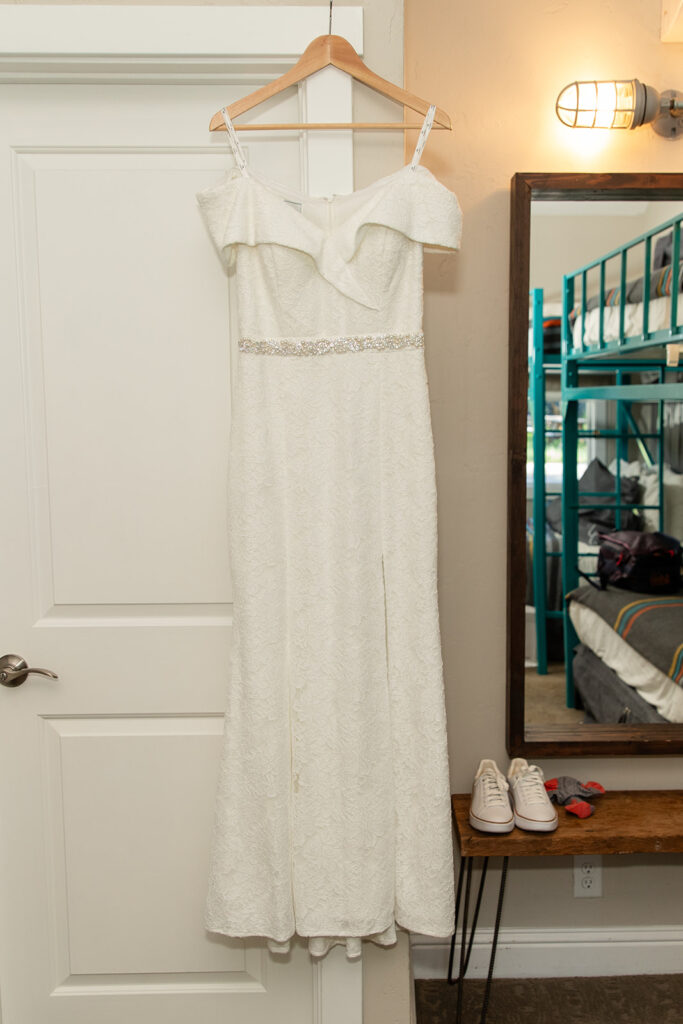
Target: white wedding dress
333,810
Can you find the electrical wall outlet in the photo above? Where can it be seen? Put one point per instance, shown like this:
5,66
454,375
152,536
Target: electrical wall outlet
588,876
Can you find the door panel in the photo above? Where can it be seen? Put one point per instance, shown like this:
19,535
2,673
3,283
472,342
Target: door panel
135,374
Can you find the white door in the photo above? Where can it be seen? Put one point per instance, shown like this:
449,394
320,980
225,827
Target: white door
115,366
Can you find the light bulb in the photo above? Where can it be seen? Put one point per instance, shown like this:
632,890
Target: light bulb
615,104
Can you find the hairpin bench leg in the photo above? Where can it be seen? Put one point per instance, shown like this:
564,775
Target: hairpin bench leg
463,941
494,943
466,865
477,907
451,955
465,945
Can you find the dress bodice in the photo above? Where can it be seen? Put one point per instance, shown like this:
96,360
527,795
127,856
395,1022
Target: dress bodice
332,266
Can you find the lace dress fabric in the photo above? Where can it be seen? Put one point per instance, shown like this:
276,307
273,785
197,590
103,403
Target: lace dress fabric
332,812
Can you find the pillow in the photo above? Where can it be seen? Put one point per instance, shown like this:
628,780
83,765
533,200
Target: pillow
673,500
648,477
594,520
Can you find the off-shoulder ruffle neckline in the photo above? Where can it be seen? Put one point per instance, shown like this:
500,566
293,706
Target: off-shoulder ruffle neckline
263,214
279,194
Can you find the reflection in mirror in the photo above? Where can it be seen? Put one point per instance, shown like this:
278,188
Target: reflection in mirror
604,454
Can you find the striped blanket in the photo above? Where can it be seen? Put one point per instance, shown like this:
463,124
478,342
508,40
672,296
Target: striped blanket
661,283
651,624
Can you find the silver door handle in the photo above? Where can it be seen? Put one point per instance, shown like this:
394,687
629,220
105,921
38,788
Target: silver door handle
14,670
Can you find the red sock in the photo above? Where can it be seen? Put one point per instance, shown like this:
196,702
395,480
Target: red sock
580,808
596,786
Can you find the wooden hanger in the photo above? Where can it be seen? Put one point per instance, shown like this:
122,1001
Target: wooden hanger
321,53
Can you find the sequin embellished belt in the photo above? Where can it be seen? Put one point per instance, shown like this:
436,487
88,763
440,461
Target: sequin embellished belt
323,346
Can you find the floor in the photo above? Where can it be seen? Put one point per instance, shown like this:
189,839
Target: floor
544,699
646,999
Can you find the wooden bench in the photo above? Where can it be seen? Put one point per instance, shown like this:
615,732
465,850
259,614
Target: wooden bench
628,821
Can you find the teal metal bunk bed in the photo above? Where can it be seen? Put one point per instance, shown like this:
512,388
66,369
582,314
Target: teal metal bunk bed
613,358
542,366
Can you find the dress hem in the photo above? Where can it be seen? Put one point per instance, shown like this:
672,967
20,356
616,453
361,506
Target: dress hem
321,942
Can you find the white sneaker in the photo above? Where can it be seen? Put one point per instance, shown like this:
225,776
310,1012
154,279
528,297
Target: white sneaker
490,809
533,809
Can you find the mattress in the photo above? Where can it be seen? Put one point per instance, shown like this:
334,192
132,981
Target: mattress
591,612
660,314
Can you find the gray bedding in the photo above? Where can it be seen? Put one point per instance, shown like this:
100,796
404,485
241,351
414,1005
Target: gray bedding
605,697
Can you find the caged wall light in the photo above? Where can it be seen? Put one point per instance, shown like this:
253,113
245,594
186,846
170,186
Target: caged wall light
620,104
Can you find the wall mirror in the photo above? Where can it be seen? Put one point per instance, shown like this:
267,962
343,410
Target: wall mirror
595,445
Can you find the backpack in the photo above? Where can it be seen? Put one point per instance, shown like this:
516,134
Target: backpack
649,563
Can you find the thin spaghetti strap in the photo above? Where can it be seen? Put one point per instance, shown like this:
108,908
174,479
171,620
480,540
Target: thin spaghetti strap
424,132
237,150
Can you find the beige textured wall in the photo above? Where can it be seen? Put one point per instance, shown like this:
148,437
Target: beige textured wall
497,69
386,972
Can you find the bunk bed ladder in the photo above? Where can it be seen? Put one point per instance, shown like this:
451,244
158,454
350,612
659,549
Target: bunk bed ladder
570,483
540,363
539,552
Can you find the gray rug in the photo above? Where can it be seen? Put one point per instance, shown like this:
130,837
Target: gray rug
646,999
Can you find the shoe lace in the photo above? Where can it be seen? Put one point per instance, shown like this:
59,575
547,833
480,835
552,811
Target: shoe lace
494,787
531,783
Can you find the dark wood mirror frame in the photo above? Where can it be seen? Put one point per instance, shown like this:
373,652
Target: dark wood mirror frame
555,740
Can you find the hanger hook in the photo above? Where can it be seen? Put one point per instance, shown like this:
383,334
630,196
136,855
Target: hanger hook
330,28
